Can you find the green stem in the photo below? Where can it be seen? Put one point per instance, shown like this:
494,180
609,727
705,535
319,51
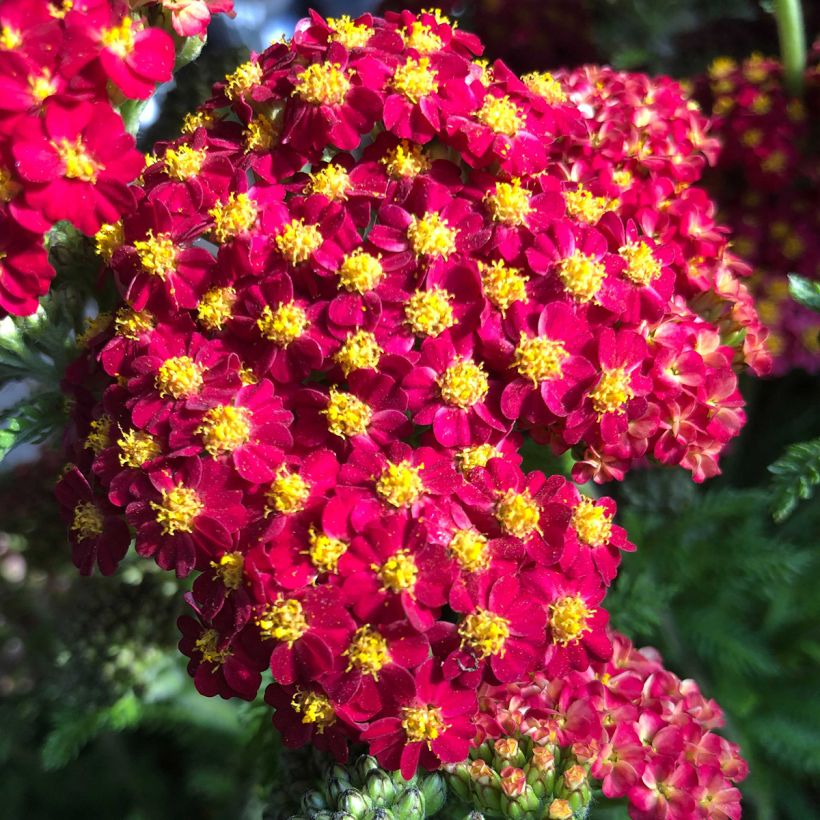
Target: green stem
130,112
790,30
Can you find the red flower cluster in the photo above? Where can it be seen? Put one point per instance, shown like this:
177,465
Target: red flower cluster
633,726
365,269
64,153
767,183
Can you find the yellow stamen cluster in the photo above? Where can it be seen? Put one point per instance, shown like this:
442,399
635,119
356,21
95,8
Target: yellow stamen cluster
88,521
158,254
196,119
99,436
262,133
360,351
583,205
463,384
518,514
230,569
232,218
298,241
9,188
429,312
315,708
501,115
484,632
225,428
284,620
400,485
614,389
94,326
642,267
477,455
349,33
208,645
503,285
119,39
398,573
287,494
592,523
132,324
184,162
422,724
42,85
246,77
471,549
283,324
332,182
108,239
421,38
346,414
545,85
10,38
368,652
136,448
215,307
360,271
568,618
432,236
322,84
178,509
179,377
581,276
415,79
406,160
77,162
539,358
509,203
324,552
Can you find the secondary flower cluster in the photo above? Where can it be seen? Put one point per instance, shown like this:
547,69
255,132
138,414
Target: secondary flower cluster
767,183
627,726
366,268
65,67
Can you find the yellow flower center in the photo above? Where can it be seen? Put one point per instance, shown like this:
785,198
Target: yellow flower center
502,284
99,436
234,217
324,551
109,238
471,549
415,80
501,115
539,358
422,724
184,162
421,38
399,572
347,32
545,85
230,569
208,645
94,326
568,618
360,271
592,523
42,85
518,514
288,493
642,267
478,455
432,236
613,390
197,119
77,162
367,652
262,133
179,377
406,160
246,77
215,307
10,38
400,485
429,312
158,254
463,384
721,67
582,205
8,187
509,203
132,324
284,620
88,521
360,351
298,241
314,707
177,510
622,178
284,324
346,415
225,428
581,276
484,632
119,39
137,447
332,182
322,84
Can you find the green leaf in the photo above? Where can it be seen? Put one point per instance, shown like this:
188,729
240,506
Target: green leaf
805,291
796,474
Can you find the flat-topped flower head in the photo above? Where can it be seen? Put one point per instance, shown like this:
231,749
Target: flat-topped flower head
501,115
348,32
422,724
234,217
322,84
518,513
399,572
360,351
430,312
592,523
158,254
225,428
132,324
314,708
642,267
503,285
346,414
421,38
207,644
431,235
178,509
283,324
471,550
582,276
78,163
539,359
400,485
184,162
368,652
284,620
476,455
243,80
509,203
613,391
332,181
288,493
179,377
215,307
136,447
406,160
360,271
297,241
544,85
230,569
463,384
88,521
568,619
325,551
586,207
484,632
415,79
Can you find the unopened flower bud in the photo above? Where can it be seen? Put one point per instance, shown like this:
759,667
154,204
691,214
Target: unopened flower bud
313,801
480,772
513,781
365,764
410,805
560,810
379,786
434,789
355,803
575,777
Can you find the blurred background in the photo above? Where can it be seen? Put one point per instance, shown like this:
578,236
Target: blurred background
99,718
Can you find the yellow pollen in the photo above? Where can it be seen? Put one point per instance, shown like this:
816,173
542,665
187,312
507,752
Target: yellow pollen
761,104
132,324
288,493
346,415
184,162
322,84
197,119
79,164
642,267
324,551
406,160
225,428
398,573
722,67
539,358
622,178
432,236
158,254
215,307
179,377
88,521
109,238
234,217
752,138
568,618
518,514
137,447
10,38
360,271
478,455
400,485
367,652
332,182
415,80
284,620
284,324
509,204
613,390
207,644
94,326
349,33
230,569
119,39
501,115
545,85
177,510
592,523
314,707
59,10
42,85
247,375
581,276
429,312
422,724
471,549
502,284
246,77
100,435
582,205
774,163
298,241
421,38
463,384
8,186
360,351
486,76
262,133
484,632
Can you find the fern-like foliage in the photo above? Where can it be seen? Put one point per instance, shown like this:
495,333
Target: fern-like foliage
796,475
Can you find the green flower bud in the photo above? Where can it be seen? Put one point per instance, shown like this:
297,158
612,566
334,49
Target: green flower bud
313,801
410,806
434,790
364,765
355,803
379,786
336,787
